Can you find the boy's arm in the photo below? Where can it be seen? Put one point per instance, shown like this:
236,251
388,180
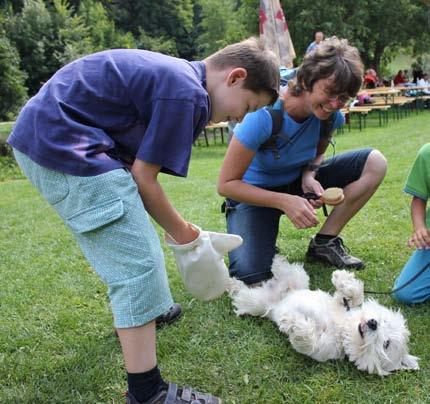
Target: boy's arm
421,235
158,205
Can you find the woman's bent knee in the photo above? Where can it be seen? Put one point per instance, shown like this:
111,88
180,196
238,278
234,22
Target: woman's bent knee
377,163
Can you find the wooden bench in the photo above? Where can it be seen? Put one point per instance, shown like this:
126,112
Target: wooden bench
360,111
213,128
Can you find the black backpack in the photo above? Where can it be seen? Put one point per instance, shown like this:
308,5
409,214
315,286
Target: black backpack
277,115
326,127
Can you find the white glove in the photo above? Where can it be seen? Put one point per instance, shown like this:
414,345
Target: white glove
201,263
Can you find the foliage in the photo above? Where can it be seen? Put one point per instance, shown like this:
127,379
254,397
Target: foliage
169,20
102,29
49,33
156,43
12,88
31,31
222,23
376,27
73,36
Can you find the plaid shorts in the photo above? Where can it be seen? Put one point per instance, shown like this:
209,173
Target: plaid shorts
114,231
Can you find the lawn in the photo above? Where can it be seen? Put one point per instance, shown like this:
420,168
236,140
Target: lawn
57,343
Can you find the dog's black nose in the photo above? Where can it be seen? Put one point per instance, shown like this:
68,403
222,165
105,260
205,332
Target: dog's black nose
372,324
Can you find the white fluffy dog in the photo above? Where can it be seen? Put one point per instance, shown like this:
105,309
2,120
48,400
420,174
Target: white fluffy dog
325,327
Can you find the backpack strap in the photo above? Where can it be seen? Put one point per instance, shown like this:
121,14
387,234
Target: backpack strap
326,132
277,117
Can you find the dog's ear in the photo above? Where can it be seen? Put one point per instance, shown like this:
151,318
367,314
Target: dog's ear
223,243
410,362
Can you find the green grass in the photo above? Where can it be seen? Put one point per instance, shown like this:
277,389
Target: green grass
56,339
5,128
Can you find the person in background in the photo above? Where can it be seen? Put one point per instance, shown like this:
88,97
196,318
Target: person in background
399,78
319,36
417,69
370,79
418,186
261,182
93,141
424,82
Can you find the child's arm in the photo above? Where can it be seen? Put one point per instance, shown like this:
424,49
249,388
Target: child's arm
421,235
158,205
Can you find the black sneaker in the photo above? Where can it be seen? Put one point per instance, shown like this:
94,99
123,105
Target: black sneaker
175,395
333,253
170,316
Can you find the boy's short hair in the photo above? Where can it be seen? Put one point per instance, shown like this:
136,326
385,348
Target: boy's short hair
261,64
333,58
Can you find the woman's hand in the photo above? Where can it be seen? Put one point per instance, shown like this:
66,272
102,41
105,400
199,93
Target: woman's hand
310,184
299,210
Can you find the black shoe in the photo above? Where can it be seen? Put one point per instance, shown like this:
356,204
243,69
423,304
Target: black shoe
333,253
170,316
175,395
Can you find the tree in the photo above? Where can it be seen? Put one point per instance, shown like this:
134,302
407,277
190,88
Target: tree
376,27
222,23
102,31
12,90
165,22
73,38
31,31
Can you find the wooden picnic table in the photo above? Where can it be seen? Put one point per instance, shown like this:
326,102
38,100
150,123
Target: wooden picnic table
360,111
214,126
407,88
388,93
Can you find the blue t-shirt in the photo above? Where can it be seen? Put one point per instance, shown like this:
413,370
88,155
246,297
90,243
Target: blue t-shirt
311,47
102,111
265,170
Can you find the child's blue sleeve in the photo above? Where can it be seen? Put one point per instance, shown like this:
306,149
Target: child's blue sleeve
255,129
339,120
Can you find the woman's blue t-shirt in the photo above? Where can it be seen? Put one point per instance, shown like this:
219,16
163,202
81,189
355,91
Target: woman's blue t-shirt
297,152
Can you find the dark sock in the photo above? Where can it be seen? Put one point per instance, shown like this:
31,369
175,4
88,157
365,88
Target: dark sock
323,238
146,385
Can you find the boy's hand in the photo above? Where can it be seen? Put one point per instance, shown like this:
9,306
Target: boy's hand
188,234
201,262
420,239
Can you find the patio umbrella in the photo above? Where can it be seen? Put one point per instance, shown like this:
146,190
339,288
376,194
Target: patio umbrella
274,31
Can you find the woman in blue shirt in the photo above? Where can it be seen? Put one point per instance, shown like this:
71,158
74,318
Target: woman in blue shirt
260,186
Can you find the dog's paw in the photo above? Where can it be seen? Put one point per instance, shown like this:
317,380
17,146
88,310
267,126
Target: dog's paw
349,289
234,286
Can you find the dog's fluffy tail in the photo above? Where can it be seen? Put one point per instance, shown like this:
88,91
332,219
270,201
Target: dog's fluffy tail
289,276
253,301
258,301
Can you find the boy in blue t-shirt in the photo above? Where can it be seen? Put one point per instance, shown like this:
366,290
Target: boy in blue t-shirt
93,141
418,186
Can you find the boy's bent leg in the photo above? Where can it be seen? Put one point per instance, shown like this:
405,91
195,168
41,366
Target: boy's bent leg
359,173
258,226
418,291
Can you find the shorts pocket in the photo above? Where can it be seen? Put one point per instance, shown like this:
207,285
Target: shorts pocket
96,216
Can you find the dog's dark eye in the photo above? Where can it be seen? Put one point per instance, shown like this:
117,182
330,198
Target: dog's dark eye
386,344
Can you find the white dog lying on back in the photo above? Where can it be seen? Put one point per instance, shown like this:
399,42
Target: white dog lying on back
328,327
